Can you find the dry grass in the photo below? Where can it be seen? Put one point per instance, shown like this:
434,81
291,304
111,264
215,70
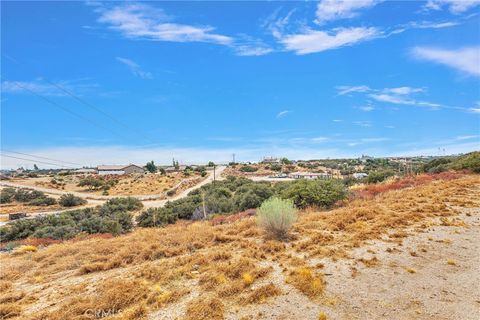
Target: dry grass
307,281
206,270
134,184
261,294
205,309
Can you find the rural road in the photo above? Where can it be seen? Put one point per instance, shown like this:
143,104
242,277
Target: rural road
147,200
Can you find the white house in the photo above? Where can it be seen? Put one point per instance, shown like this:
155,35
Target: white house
309,175
360,175
270,160
120,169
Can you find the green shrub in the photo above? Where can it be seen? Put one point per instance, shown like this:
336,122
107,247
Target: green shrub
248,169
276,167
45,201
156,217
378,176
276,216
22,195
113,217
92,183
436,165
69,200
316,193
7,195
469,161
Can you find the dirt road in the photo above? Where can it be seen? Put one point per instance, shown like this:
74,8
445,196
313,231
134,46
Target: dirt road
94,200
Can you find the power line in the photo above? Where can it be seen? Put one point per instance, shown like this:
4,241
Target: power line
88,104
34,161
34,156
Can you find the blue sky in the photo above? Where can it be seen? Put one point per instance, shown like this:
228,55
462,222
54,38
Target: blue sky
118,82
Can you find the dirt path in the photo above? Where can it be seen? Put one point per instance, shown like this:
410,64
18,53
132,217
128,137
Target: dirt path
433,289
98,200
88,196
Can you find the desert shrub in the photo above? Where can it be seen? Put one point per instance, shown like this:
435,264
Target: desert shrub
276,216
22,195
317,193
469,161
92,183
7,195
156,217
378,176
248,169
34,198
113,217
436,165
171,192
44,201
247,200
124,204
276,167
69,200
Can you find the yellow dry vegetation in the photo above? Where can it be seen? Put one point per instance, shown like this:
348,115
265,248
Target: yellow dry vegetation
205,270
133,184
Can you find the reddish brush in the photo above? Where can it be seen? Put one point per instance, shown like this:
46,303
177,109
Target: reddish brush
38,242
233,217
372,190
85,236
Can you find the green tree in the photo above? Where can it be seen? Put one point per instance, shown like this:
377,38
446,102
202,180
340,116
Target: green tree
35,167
151,167
315,193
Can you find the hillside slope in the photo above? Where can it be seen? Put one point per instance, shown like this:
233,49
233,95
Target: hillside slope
410,253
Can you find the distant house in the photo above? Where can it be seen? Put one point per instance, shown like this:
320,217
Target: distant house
120,169
85,171
360,175
270,160
309,175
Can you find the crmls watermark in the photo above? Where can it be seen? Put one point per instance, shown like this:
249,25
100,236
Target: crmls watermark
101,313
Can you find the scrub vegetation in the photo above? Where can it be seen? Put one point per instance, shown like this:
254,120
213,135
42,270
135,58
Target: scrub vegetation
198,270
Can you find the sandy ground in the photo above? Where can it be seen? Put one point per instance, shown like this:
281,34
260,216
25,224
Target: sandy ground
437,289
433,289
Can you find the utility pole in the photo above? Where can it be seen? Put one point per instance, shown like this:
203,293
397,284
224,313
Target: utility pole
214,173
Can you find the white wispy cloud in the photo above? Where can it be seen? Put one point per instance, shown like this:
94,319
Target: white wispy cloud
246,45
468,137
141,21
330,10
320,139
454,6
283,113
134,68
311,41
397,95
402,99
38,86
342,90
433,25
366,108
365,124
403,90
466,60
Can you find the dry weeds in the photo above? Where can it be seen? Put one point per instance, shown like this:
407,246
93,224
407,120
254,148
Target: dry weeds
208,269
